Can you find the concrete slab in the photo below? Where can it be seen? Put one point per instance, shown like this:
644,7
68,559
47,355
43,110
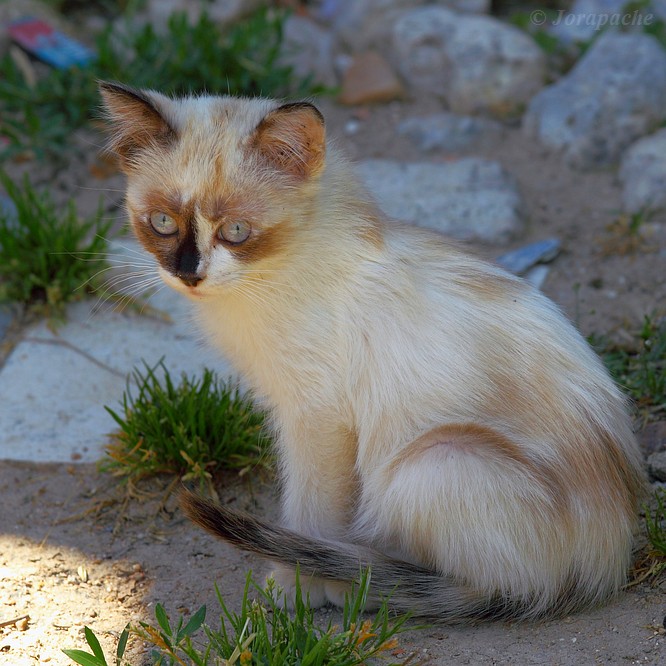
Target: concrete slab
54,386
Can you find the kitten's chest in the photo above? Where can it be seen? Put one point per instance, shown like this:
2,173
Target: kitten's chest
288,358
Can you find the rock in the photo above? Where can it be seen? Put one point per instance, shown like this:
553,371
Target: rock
471,198
657,466
615,94
652,438
448,131
308,49
643,174
369,78
367,25
364,25
476,63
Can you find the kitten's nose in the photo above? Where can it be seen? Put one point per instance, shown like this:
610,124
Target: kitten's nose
190,279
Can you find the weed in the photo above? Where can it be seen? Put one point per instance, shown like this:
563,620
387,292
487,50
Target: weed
627,235
41,249
190,429
242,60
655,524
641,370
263,632
96,657
651,564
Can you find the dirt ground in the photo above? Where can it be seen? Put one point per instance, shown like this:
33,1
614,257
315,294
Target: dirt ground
67,560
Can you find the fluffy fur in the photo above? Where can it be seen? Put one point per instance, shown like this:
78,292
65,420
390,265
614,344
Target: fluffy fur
435,416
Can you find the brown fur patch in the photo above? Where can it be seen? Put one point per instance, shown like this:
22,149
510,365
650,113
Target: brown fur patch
470,437
264,243
599,468
292,139
372,230
489,286
163,247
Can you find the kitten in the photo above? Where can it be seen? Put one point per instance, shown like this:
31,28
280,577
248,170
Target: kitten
435,417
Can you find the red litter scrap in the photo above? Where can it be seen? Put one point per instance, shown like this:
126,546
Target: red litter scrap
49,45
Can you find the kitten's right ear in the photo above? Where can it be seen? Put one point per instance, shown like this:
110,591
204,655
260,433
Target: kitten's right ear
135,120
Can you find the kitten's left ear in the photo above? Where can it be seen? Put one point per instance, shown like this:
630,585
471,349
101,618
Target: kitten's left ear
292,138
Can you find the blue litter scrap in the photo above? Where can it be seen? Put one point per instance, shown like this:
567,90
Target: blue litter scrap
521,260
51,46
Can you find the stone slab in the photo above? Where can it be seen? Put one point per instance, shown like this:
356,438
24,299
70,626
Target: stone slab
54,386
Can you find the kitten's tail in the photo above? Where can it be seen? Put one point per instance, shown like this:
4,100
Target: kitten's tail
409,588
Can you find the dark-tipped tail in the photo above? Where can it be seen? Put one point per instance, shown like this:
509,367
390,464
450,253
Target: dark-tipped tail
410,588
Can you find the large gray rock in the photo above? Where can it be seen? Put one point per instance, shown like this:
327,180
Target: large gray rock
614,95
470,199
367,24
449,132
657,466
643,174
308,49
476,63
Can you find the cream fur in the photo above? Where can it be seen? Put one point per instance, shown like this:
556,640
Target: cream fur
425,403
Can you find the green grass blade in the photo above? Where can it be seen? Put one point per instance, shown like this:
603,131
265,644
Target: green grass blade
84,658
122,644
94,644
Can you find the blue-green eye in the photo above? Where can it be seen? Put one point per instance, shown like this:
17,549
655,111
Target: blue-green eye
163,224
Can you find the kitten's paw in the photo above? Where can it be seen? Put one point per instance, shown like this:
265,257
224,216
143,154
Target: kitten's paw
312,588
336,592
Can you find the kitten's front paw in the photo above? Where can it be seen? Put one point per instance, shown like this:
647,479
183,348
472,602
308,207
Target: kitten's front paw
312,588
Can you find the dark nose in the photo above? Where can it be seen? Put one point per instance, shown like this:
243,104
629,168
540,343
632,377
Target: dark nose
190,279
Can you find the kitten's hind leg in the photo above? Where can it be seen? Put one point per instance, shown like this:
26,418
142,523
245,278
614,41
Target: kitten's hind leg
466,501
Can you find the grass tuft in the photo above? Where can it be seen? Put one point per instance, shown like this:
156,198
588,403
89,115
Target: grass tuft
650,565
263,632
191,428
41,251
641,368
655,524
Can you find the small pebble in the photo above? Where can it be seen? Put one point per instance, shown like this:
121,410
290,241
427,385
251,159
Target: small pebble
351,127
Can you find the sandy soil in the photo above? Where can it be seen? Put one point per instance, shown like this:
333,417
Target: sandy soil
67,560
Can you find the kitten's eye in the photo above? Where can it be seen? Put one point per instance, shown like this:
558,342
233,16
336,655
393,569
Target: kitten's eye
235,231
164,224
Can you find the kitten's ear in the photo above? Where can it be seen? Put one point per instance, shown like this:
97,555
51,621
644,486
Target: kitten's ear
292,138
135,119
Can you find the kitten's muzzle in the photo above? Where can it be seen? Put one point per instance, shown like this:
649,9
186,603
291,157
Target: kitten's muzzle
190,279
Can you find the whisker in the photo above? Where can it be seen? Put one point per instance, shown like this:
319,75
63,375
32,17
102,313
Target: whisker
99,189
121,299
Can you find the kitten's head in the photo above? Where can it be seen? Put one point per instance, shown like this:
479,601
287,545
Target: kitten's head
217,186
